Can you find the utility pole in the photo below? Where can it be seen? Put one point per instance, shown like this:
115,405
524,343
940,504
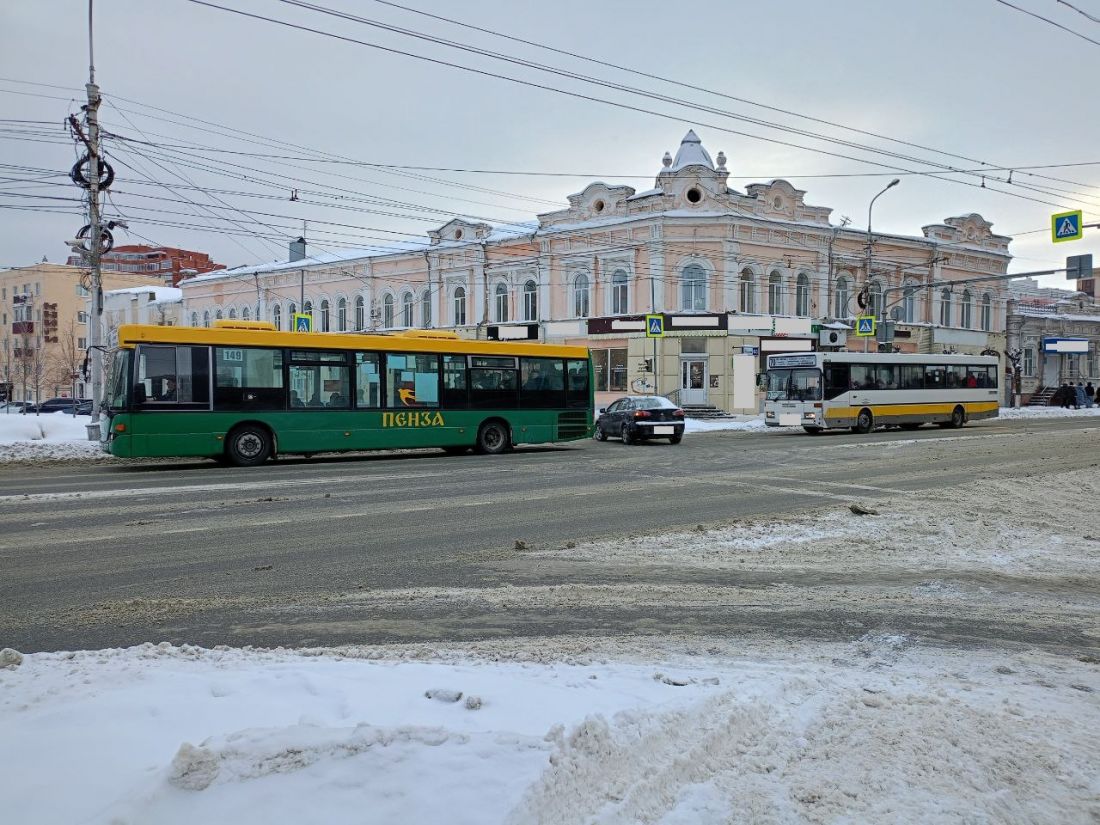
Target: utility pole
95,235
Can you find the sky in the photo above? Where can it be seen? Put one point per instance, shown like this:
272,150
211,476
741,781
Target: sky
993,87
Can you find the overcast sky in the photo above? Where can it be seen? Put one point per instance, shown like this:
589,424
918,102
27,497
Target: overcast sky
975,78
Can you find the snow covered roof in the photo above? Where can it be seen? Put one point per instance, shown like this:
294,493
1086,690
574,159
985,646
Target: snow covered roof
163,294
691,153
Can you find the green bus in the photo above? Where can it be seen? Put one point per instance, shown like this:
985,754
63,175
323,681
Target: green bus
241,392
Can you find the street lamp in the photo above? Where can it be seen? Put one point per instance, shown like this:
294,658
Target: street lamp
871,206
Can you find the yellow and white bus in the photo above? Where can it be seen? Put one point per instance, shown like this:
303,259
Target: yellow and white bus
839,390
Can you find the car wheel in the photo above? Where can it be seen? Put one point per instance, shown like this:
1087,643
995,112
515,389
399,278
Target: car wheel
248,446
599,434
493,438
676,439
627,438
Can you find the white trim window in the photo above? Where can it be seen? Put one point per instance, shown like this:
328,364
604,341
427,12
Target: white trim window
909,303
1027,363
966,320
500,303
581,295
775,294
987,312
840,308
458,306
802,296
194,319
746,297
360,313
277,317
945,307
426,309
530,301
246,314
874,299
387,311
342,315
407,310
325,315
693,288
620,292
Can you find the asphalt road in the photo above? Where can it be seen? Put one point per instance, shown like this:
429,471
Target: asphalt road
323,551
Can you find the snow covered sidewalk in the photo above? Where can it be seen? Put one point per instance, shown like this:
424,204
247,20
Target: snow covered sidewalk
548,732
46,437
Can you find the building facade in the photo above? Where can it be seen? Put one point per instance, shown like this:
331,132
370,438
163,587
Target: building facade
156,305
43,312
167,263
1058,342
736,275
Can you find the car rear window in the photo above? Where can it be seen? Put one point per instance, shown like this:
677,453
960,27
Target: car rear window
652,404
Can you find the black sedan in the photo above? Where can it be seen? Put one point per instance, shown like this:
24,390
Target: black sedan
640,417
83,406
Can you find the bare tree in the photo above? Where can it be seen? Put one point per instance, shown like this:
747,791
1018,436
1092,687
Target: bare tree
66,362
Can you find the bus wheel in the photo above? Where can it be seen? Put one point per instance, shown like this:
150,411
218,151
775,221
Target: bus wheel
248,446
958,418
492,438
865,422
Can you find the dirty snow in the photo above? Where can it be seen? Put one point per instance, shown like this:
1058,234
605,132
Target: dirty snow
46,437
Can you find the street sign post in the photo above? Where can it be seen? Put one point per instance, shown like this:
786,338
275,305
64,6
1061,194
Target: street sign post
655,326
303,322
865,326
1066,226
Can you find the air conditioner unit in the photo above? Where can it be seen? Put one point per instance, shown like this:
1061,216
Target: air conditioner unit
833,337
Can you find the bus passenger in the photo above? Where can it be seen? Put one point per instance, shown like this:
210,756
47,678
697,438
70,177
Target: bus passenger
295,401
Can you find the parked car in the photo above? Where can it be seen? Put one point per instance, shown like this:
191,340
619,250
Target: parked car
83,406
16,407
640,417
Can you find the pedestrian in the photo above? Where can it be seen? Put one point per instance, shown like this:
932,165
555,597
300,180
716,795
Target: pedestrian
1090,393
1079,398
1063,396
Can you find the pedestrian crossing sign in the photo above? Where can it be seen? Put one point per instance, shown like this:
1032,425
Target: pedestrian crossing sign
655,326
865,326
303,322
1066,226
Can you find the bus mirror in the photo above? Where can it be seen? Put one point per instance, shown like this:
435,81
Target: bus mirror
139,393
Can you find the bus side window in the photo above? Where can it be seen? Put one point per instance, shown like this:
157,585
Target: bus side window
863,377
576,384
935,378
837,379
912,377
455,391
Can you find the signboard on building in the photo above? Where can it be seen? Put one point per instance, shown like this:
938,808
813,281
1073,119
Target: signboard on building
1066,226
1066,346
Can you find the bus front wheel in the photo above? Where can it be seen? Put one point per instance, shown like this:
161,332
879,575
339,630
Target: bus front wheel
493,438
248,446
865,422
958,418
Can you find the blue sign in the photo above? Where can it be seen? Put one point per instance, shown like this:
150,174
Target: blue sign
303,322
865,326
655,326
1066,226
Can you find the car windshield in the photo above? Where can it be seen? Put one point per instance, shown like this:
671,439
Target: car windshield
794,385
654,403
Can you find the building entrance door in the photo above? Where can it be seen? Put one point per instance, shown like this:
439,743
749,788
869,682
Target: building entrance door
693,381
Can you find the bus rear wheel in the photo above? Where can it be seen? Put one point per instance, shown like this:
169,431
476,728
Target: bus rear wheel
865,422
493,438
248,446
958,418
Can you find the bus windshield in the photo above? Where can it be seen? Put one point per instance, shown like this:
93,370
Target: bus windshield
794,385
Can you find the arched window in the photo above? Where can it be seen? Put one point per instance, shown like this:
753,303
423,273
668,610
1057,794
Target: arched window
218,315
693,288
387,311
500,303
307,309
325,316
277,316
802,296
291,311
530,301
232,314
987,312
843,290
874,299
620,293
909,303
746,297
775,294
458,307
246,314
360,314
945,308
342,315
580,296
966,319
206,318
407,309
426,309
194,319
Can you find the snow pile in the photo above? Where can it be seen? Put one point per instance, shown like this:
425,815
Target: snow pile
878,730
741,423
50,436
1047,412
